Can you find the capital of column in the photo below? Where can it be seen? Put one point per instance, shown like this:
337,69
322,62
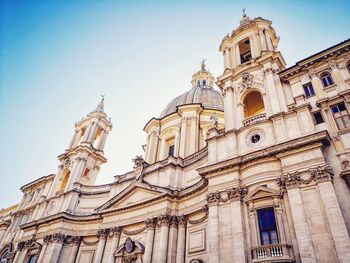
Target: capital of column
182,220
115,231
151,222
237,193
164,219
57,238
213,198
102,233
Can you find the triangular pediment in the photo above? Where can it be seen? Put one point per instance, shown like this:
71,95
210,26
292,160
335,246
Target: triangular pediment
134,194
262,192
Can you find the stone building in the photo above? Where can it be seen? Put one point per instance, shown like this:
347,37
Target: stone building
255,171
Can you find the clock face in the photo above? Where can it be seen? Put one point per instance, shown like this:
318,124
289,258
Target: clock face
129,245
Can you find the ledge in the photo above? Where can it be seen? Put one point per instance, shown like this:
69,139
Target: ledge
266,152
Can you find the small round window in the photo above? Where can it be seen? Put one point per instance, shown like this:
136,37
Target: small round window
255,138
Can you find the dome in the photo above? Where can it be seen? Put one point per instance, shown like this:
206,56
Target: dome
208,97
202,92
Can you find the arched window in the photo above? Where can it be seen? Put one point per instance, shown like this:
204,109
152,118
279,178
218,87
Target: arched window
204,83
253,104
198,83
65,178
326,79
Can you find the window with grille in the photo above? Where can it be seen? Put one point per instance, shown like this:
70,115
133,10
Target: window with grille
341,115
267,226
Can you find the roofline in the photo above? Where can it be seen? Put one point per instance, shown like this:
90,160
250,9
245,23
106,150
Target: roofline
46,177
304,61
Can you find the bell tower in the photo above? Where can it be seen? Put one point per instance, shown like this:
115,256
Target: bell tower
82,160
250,83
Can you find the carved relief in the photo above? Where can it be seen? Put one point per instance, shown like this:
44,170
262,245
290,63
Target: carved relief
318,174
248,81
230,194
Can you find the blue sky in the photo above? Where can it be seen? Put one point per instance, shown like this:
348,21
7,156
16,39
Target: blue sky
57,57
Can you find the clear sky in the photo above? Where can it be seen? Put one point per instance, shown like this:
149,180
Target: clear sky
57,57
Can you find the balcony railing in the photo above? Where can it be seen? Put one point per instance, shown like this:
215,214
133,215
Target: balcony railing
273,252
255,119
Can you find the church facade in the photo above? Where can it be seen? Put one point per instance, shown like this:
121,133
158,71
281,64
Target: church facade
256,170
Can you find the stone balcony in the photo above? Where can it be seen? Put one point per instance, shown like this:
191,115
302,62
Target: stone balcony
272,253
254,119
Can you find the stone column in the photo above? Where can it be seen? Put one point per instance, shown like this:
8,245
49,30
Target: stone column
181,239
335,221
102,141
317,85
194,135
233,57
102,236
236,196
182,150
271,90
262,40
337,76
92,133
152,147
53,249
172,246
229,107
74,250
306,249
43,250
238,56
227,58
151,224
281,232
163,241
116,232
253,226
86,133
177,144
71,144
213,227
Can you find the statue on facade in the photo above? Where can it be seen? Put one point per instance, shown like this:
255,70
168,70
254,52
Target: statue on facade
214,120
101,104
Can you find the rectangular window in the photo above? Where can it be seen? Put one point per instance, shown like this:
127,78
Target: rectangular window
267,226
318,118
341,116
171,150
309,90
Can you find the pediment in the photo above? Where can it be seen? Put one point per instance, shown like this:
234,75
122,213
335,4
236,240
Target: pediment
262,192
135,193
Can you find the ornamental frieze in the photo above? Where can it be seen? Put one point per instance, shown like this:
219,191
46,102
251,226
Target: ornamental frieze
317,175
236,193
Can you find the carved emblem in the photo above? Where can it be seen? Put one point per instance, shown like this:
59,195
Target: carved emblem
247,82
129,245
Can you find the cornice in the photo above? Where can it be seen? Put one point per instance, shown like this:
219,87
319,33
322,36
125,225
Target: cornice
309,62
267,152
